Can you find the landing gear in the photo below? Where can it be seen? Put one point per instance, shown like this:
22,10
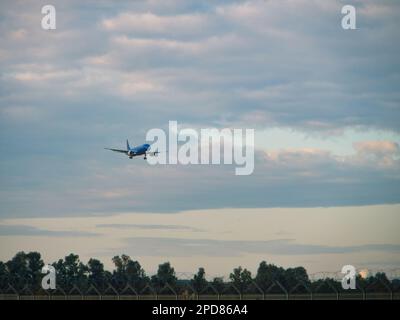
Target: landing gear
145,158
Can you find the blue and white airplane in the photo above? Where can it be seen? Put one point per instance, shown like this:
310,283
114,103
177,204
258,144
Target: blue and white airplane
143,149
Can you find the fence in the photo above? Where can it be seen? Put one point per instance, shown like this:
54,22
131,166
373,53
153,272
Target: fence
321,286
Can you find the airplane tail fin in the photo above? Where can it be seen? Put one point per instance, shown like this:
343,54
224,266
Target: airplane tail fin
127,145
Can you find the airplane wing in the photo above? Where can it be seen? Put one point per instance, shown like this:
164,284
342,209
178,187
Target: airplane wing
154,153
117,150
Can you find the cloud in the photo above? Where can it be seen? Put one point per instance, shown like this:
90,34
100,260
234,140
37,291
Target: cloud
148,227
313,178
178,247
150,23
378,148
30,231
384,154
258,57
378,11
115,70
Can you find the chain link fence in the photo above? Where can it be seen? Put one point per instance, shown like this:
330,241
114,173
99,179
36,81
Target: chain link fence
319,286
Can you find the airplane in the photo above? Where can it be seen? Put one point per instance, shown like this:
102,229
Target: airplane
143,149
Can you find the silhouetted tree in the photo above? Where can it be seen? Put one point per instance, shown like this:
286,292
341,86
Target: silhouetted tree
199,281
165,274
297,277
128,272
241,278
71,271
267,274
24,269
97,275
218,284
3,275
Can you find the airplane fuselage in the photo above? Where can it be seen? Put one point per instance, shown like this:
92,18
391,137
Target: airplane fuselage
143,149
138,151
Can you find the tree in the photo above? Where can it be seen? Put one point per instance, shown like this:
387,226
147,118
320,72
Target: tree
297,277
134,271
199,281
3,275
71,271
35,265
377,283
120,263
128,271
97,275
25,269
218,284
267,274
241,278
17,269
165,274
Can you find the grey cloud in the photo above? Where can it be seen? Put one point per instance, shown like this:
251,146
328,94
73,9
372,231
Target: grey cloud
242,63
148,227
146,246
286,179
30,231
65,95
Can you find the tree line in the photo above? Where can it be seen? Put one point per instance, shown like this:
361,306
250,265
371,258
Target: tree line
24,270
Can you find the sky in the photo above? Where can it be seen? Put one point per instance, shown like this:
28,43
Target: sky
324,103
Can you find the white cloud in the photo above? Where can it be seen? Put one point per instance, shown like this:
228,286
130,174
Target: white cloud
385,154
378,148
150,23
